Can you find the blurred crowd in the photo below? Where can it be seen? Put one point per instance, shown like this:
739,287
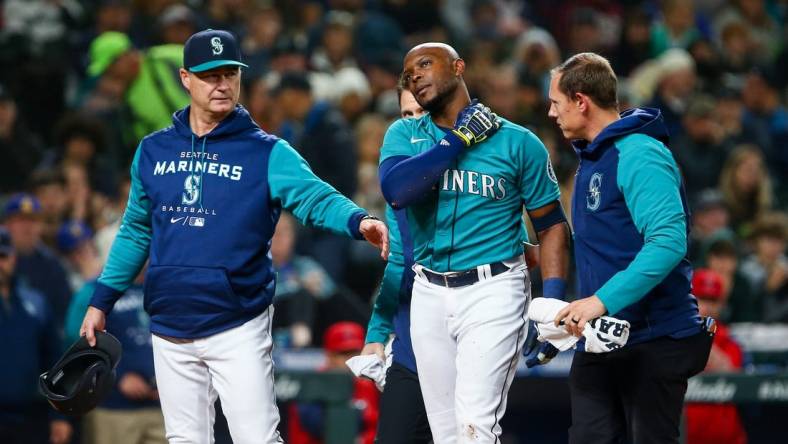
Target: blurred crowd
85,80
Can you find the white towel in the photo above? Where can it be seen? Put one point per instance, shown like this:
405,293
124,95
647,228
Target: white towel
602,334
371,366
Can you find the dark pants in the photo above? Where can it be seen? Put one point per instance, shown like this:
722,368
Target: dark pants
635,394
403,419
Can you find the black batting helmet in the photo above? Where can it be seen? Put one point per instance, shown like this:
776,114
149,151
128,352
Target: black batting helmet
81,379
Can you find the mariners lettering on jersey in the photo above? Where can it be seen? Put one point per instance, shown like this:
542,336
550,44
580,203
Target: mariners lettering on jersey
472,182
203,165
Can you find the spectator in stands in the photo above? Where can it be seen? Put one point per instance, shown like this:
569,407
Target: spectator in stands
288,54
260,104
754,16
49,187
634,46
709,423
326,141
111,216
702,147
746,187
766,268
737,48
676,29
264,26
36,52
369,133
27,329
335,50
722,258
75,242
534,55
352,93
176,23
709,221
81,198
341,342
676,81
300,283
21,149
149,79
82,140
765,112
36,264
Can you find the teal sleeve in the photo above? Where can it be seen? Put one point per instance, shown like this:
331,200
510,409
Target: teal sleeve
397,142
76,312
131,246
312,201
650,182
381,324
538,184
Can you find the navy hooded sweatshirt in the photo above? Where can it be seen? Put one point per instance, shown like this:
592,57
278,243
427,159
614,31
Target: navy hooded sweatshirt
630,218
204,210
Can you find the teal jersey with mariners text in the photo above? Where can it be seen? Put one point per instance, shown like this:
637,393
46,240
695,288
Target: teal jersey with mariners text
474,216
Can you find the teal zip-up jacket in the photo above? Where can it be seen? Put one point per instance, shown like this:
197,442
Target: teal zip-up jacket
203,210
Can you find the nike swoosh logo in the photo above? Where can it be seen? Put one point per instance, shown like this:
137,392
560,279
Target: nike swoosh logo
414,140
175,219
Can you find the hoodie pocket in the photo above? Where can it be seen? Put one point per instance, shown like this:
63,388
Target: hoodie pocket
189,292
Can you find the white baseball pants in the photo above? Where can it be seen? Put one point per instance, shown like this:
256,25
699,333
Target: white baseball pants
236,365
467,342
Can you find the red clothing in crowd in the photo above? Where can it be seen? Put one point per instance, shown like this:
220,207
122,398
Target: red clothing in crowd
365,399
709,423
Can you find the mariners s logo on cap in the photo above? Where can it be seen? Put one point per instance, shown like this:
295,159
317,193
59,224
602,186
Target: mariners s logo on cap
216,42
210,49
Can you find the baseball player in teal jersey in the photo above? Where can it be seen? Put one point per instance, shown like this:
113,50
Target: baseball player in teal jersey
464,175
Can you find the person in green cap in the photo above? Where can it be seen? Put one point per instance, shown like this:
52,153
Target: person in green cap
146,80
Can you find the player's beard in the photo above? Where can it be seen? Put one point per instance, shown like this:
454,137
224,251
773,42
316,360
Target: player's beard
442,98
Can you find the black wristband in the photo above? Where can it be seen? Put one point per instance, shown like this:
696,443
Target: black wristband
369,217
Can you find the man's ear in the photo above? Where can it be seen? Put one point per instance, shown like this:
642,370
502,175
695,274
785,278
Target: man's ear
459,67
185,79
581,102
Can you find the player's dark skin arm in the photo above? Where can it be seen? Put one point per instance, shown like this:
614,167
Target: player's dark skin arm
553,245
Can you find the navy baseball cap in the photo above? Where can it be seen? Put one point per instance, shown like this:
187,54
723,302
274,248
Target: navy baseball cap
71,234
22,204
211,49
6,246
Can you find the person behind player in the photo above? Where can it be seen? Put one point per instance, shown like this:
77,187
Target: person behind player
463,175
402,415
710,423
206,194
629,215
306,422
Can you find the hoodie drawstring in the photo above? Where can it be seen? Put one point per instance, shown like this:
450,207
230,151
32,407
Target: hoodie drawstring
202,169
202,172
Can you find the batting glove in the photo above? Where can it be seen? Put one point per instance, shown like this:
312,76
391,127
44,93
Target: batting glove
475,123
537,353
544,354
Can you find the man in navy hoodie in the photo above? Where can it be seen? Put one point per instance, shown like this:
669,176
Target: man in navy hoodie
630,220
205,197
